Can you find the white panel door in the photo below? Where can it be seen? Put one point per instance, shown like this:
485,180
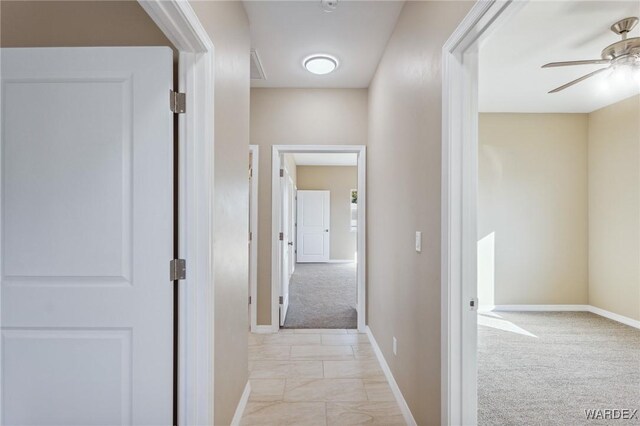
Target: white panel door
313,226
86,236
286,244
292,227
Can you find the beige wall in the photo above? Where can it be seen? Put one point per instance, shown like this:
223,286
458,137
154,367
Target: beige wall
228,26
614,208
403,196
532,209
297,117
559,208
340,180
77,23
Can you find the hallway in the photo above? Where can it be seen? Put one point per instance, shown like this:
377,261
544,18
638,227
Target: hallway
317,377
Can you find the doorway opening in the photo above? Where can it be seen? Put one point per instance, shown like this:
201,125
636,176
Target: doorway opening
529,171
318,224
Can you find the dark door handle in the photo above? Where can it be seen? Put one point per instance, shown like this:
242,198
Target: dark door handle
290,243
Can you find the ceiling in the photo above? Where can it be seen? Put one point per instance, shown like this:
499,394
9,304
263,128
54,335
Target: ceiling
325,159
511,79
284,33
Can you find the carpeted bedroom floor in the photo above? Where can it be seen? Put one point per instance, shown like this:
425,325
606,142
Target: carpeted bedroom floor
547,368
322,295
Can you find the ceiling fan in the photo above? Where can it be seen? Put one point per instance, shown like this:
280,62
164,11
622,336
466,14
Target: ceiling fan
625,52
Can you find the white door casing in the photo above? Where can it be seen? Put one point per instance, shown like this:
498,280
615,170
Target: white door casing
253,227
276,207
459,204
87,234
314,230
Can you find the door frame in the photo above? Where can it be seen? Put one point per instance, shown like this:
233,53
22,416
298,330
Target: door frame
253,256
277,151
178,21
459,215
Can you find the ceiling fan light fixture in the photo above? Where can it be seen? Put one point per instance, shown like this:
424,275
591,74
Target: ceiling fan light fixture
620,58
320,64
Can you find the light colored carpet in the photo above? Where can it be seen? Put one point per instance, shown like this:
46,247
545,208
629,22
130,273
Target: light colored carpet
546,368
322,295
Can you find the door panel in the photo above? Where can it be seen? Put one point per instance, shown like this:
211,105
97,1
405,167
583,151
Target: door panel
86,233
284,244
292,227
313,226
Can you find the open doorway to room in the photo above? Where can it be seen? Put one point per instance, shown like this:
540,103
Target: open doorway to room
549,188
319,246
558,160
317,279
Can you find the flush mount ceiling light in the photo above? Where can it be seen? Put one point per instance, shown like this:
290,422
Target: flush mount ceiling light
328,5
320,64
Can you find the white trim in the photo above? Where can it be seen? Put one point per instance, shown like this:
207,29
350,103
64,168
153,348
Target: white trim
277,150
535,308
340,261
179,23
404,407
459,183
562,308
613,316
253,218
242,404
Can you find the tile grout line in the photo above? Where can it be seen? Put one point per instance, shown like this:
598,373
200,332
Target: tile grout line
326,419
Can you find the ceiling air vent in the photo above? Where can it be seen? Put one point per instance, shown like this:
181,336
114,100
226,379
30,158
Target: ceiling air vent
257,73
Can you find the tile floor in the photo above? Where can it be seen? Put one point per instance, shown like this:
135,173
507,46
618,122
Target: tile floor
317,377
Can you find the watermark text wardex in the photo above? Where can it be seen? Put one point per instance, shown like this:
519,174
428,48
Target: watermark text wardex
611,414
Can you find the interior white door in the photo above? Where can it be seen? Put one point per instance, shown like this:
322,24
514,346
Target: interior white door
292,227
285,246
86,236
314,230
250,236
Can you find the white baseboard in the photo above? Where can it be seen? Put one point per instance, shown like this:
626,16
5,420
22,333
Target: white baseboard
535,308
616,317
264,329
562,308
404,408
341,261
237,417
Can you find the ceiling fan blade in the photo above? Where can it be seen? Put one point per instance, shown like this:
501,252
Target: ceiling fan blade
568,63
578,80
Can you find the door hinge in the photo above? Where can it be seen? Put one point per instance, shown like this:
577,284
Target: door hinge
281,237
281,172
281,300
177,269
177,102
249,299
250,236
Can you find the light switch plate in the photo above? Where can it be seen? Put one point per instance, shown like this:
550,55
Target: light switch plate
418,241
